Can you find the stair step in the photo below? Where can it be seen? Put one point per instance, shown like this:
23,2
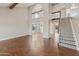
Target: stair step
69,36
67,42
68,46
66,39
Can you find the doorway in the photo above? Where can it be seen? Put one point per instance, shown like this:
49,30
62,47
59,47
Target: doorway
54,26
37,35
37,30
37,27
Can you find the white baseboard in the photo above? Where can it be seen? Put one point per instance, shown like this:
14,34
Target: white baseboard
11,37
8,38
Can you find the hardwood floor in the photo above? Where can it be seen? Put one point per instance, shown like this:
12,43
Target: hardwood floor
28,46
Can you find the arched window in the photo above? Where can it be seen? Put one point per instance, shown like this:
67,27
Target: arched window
37,11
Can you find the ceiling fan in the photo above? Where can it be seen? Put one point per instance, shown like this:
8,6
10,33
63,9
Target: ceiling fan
13,5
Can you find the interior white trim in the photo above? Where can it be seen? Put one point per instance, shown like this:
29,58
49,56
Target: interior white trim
8,38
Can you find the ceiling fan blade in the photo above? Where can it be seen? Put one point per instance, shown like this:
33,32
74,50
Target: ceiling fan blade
13,5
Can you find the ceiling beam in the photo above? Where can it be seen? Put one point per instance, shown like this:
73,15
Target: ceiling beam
13,5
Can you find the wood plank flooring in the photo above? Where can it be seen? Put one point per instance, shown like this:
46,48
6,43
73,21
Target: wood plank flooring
30,46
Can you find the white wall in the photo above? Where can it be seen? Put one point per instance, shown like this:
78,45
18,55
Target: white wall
52,28
13,23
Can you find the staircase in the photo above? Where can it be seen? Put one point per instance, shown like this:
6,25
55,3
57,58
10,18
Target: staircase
66,37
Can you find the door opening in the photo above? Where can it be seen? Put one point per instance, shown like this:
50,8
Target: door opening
54,26
37,30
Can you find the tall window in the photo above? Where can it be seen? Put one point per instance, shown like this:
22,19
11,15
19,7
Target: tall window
37,11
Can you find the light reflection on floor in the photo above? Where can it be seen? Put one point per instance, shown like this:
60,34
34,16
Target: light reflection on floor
56,38
37,41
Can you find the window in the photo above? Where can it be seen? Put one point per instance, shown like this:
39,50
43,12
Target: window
37,11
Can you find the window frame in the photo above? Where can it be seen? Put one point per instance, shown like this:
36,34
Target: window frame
40,13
